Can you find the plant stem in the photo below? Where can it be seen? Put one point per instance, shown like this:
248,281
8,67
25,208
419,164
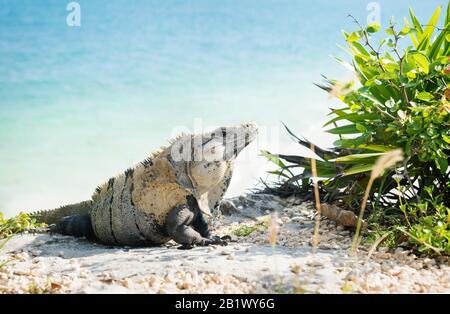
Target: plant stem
361,213
377,243
315,241
405,166
436,250
367,42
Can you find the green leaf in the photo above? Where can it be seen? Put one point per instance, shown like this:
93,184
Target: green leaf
390,31
354,117
425,96
345,143
377,148
422,62
362,51
446,138
417,26
279,173
405,30
273,158
435,49
447,16
425,37
347,129
372,98
358,169
373,28
347,65
442,164
353,37
357,158
415,21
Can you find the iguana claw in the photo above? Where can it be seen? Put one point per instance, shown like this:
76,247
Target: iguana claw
185,247
220,240
227,238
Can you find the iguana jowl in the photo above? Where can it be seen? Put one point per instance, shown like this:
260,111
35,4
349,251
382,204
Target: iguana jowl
162,198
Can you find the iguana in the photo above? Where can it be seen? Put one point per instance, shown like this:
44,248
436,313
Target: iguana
162,198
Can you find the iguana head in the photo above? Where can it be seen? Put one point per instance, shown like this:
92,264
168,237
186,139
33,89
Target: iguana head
209,159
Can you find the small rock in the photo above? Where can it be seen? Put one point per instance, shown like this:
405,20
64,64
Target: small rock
315,263
22,273
55,286
216,279
168,278
36,252
297,219
185,285
227,207
296,269
417,265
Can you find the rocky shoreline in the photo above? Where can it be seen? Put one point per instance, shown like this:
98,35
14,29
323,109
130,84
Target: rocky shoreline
42,263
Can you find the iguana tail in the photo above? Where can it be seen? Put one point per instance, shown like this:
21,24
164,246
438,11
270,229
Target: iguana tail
54,216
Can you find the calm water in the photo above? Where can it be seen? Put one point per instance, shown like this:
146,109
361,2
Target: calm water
80,104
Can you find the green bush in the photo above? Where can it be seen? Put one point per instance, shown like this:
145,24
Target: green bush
17,224
399,100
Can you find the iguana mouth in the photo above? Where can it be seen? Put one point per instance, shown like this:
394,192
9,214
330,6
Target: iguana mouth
252,132
245,134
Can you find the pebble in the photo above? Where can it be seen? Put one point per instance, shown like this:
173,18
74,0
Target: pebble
315,263
417,265
168,278
296,269
36,252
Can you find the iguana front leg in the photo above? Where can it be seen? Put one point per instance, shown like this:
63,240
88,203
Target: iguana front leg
201,226
178,227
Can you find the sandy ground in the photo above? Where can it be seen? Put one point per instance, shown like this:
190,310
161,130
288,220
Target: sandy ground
42,263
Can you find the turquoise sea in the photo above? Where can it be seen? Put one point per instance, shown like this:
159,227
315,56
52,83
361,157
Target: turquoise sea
80,104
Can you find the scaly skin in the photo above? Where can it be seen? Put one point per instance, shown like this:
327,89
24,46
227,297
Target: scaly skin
165,197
